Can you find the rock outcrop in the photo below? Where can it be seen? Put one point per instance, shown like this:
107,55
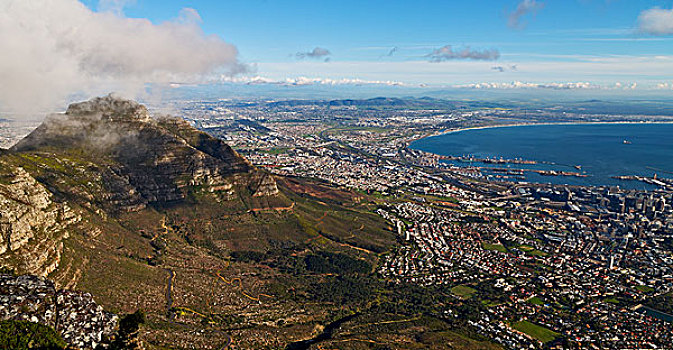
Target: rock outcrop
75,315
32,226
263,185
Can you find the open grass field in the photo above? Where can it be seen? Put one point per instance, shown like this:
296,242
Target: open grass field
536,301
496,247
532,251
462,291
645,289
538,332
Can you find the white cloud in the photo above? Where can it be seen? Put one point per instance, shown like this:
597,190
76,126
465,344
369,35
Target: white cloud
645,70
308,81
317,53
342,81
53,49
551,86
524,8
447,53
114,6
524,85
656,21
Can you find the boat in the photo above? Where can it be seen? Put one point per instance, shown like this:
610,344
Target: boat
626,142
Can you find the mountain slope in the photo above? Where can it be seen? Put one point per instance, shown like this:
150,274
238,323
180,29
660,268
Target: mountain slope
153,214
32,225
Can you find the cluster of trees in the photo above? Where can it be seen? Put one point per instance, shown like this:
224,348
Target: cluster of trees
248,256
346,290
127,335
29,335
283,259
319,262
326,262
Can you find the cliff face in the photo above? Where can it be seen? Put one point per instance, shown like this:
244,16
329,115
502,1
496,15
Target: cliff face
147,160
32,226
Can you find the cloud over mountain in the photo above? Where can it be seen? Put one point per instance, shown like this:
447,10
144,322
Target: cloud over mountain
53,49
447,53
656,21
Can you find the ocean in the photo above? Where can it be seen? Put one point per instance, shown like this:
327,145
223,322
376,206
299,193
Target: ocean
600,150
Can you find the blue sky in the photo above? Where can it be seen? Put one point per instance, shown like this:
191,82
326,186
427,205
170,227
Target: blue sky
555,41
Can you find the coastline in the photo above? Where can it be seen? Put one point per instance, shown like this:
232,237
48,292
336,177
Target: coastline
453,131
511,125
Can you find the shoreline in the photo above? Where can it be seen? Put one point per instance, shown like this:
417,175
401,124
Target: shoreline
453,131
511,125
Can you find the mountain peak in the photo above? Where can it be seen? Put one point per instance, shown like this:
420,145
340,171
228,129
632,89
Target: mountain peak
111,107
149,160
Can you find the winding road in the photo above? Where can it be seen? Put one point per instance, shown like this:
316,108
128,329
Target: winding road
240,285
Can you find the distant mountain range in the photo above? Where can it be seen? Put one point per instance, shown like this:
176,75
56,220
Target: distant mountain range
388,102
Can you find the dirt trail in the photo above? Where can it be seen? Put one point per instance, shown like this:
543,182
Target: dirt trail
164,227
272,208
240,286
169,294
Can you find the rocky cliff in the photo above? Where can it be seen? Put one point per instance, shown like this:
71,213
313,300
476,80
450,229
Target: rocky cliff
32,226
